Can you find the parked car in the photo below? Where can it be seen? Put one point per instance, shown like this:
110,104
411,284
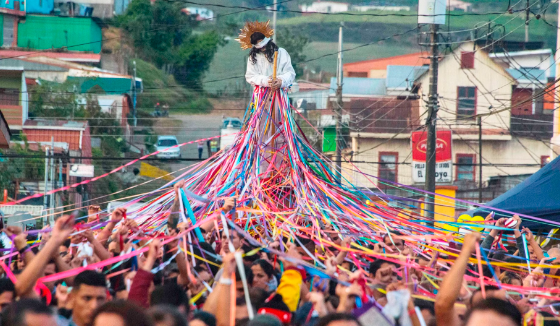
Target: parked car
229,127
165,142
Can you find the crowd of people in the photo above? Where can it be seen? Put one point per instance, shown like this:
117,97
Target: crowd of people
78,274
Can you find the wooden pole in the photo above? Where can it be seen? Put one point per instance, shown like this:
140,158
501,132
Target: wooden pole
275,65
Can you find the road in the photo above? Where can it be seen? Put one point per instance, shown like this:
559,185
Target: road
192,127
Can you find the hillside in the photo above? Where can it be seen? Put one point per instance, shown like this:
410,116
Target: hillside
364,32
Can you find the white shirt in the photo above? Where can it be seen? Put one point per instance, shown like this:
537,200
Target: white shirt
259,73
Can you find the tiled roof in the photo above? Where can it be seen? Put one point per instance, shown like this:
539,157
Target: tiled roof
65,56
63,124
413,59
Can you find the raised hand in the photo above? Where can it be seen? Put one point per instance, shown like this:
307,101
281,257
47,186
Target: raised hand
93,210
292,253
229,204
63,227
118,214
470,241
179,185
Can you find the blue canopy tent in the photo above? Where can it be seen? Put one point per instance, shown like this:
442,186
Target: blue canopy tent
537,196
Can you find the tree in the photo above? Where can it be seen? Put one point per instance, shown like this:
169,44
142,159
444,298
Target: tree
162,34
294,43
195,56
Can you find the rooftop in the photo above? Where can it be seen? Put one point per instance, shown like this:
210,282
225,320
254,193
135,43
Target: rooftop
412,59
354,86
65,56
63,124
403,77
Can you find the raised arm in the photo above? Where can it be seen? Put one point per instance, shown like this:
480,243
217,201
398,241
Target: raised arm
98,248
219,301
452,282
61,231
115,218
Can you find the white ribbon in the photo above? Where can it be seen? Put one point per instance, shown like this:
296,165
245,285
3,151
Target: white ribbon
262,43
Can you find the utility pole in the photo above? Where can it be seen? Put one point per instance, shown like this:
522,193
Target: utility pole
274,20
134,94
479,159
527,12
430,184
52,197
338,108
45,202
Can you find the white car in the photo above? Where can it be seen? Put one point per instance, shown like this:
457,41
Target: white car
165,142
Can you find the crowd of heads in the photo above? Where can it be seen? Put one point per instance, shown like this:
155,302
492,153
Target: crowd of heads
85,275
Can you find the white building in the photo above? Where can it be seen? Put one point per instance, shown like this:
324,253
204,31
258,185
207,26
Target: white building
200,13
526,60
384,8
326,7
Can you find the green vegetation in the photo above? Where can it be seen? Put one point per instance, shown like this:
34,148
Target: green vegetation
163,35
162,88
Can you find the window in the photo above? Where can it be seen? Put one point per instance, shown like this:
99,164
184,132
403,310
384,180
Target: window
9,96
544,160
466,102
467,60
362,74
167,142
465,167
388,169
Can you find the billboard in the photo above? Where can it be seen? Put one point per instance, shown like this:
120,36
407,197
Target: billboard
444,156
82,170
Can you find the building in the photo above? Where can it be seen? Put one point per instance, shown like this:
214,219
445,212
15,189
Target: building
325,7
377,68
459,5
380,129
200,13
315,95
92,59
381,7
5,133
73,135
13,94
542,59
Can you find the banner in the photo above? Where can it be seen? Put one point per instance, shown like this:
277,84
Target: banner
444,156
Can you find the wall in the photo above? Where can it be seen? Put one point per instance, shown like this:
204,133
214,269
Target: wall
494,151
492,82
48,32
39,6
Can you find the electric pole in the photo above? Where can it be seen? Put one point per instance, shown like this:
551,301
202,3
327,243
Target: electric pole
134,94
274,20
430,184
45,199
479,159
527,12
338,108
52,199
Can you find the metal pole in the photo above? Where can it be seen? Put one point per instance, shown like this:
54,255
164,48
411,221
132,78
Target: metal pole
527,12
134,99
274,20
45,202
430,184
338,108
52,197
479,159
